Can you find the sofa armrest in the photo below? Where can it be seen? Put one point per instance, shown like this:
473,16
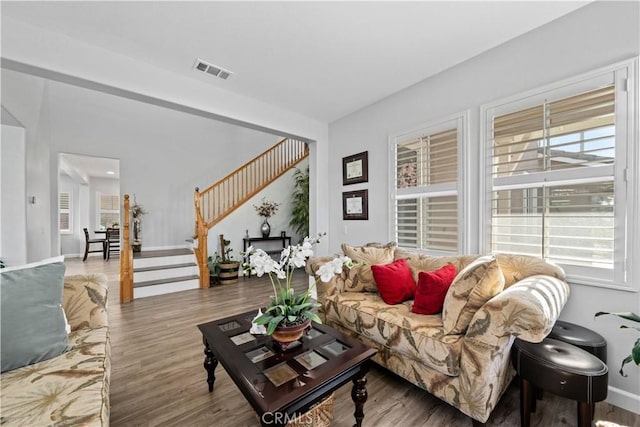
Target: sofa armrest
84,300
527,310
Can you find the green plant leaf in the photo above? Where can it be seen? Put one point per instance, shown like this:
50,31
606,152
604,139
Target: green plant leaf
306,306
627,315
264,319
273,324
635,352
313,317
626,360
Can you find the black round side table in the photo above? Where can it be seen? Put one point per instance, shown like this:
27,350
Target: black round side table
561,369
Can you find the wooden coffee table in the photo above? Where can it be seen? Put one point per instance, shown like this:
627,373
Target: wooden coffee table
282,385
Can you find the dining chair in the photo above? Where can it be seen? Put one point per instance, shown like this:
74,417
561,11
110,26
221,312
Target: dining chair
89,241
112,243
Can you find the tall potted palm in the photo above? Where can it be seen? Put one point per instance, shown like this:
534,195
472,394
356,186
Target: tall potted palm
300,203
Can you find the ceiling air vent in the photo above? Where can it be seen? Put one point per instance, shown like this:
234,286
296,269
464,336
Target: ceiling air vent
214,70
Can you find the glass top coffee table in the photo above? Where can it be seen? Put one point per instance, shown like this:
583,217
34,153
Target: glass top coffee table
282,385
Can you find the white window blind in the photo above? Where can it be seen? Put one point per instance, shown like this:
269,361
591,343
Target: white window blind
64,206
557,167
426,188
109,210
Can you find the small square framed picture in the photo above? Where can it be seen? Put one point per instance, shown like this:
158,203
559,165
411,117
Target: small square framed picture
355,168
355,205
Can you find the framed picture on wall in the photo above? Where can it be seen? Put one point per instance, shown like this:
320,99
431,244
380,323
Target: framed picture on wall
355,168
355,204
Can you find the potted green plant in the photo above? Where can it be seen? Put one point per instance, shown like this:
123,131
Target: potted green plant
213,263
227,267
300,203
288,315
635,350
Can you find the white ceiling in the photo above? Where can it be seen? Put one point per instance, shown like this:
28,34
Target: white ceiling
81,168
321,59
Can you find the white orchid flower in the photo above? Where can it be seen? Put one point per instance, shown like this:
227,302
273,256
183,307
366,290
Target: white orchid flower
281,274
326,272
299,259
336,266
285,253
307,249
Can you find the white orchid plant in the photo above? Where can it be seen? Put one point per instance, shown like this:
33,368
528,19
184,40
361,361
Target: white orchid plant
286,308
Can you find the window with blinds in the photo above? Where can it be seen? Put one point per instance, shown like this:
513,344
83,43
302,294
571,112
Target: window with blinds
557,191
426,188
64,206
109,212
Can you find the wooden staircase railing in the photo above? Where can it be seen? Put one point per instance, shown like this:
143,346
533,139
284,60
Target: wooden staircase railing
126,257
225,196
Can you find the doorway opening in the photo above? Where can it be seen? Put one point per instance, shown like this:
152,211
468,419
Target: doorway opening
88,197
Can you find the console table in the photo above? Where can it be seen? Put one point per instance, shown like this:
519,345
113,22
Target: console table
249,241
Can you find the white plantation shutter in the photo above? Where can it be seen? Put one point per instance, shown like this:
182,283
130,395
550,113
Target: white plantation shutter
569,133
426,189
109,210
567,224
557,191
64,206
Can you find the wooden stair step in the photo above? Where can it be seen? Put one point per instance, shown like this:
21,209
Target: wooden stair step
164,267
164,281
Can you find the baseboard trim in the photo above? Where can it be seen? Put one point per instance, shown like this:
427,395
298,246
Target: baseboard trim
624,399
77,255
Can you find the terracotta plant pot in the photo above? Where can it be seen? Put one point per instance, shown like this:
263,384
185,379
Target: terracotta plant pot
285,335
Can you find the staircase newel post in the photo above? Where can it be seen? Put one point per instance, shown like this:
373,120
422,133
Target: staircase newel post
201,251
126,257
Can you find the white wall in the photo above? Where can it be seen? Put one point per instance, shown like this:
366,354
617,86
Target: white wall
55,55
164,154
31,112
594,36
13,203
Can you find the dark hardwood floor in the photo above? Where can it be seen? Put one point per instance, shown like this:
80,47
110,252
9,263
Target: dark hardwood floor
158,379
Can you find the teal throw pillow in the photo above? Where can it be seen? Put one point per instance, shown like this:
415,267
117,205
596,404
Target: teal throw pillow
32,324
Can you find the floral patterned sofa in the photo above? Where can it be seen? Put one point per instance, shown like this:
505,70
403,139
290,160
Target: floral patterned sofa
72,388
469,370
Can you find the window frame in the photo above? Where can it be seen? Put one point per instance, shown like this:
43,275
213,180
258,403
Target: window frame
69,212
626,224
460,121
100,211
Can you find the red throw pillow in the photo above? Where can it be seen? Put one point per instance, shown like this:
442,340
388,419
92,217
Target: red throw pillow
394,281
432,289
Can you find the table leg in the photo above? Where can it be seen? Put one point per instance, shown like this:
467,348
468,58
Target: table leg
210,363
527,394
359,394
